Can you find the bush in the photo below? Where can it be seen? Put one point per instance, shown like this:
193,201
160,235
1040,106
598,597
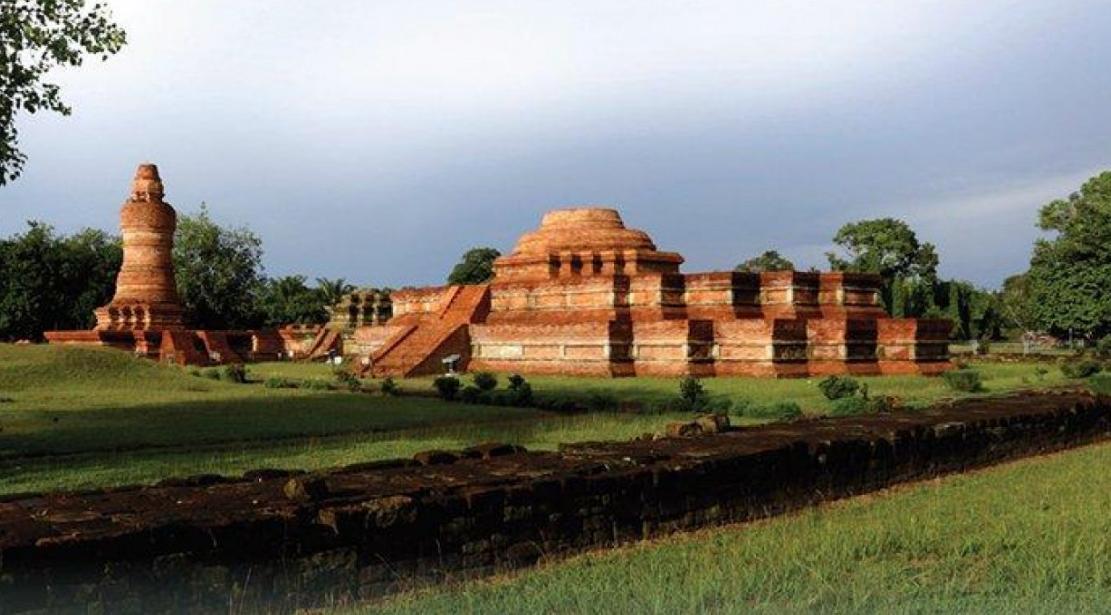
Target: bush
838,387
389,387
848,406
516,381
1080,368
234,372
470,394
485,381
967,380
277,382
1103,348
447,387
315,384
779,411
1100,384
559,403
693,394
347,379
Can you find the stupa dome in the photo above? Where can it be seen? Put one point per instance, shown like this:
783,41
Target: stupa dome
582,229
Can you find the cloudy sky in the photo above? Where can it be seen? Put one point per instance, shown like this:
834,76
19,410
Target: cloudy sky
376,141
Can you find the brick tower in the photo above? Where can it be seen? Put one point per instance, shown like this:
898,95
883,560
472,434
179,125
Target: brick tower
146,293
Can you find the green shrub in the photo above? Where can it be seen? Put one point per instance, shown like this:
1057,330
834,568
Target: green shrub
837,387
447,387
470,394
1100,384
277,382
234,372
347,379
1103,348
212,373
693,394
516,381
1080,368
389,387
848,406
315,384
967,380
485,381
779,411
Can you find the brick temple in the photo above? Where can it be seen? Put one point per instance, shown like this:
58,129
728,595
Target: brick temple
145,315
585,295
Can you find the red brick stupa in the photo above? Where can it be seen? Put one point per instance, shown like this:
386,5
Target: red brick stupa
585,295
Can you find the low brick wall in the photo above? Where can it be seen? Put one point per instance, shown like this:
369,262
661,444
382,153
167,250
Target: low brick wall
276,540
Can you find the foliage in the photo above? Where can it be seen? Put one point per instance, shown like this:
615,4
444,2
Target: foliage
447,387
1016,304
1103,347
345,378
770,260
967,380
389,387
37,37
693,395
1070,273
848,406
837,387
331,292
234,372
1080,368
521,390
50,282
975,313
471,394
288,299
476,267
1100,384
316,384
218,272
885,246
485,381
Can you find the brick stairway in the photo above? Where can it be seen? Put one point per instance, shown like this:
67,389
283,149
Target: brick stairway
418,349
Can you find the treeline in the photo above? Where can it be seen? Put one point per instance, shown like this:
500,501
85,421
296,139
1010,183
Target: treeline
50,281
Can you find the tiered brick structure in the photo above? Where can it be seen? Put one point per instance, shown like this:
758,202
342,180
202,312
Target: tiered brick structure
585,295
145,315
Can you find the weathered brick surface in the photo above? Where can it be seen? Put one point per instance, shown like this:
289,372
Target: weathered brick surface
277,540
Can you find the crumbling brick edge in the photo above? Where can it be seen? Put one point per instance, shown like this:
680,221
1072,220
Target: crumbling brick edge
278,541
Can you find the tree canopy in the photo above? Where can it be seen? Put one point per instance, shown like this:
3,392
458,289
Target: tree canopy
37,36
770,260
476,267
885,246
219,272
1070,272
51,282
289,299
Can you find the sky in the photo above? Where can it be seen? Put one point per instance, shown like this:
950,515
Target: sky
377,141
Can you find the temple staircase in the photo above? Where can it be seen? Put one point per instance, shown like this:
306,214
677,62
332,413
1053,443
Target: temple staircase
324,342
419,348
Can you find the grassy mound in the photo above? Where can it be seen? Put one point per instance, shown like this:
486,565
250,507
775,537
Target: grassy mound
30,367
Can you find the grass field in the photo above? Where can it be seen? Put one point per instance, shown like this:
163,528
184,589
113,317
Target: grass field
1030,537
75,418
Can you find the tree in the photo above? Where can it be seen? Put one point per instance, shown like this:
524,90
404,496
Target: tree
1070,273
888,247
219,272
476,267
332,291
770,260
288,300
37,36
49,282
1016,304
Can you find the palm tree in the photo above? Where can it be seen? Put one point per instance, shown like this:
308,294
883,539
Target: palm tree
332,291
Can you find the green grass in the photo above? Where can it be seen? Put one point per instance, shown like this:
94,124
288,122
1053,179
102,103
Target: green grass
81,418
1029,537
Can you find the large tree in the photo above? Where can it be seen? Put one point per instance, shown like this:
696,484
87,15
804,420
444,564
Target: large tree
37,36
770,260
219,272
1070,272
332,291
888,247
476,267
50,282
